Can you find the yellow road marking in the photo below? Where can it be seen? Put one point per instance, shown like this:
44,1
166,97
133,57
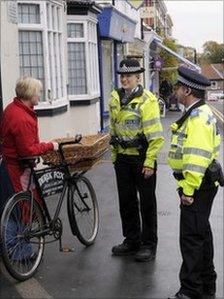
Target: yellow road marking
217,113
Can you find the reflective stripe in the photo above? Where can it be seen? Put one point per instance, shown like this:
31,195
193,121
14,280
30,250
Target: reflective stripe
193,167
197,152
177,156
217,148
150,136
128,127
150,122
180,134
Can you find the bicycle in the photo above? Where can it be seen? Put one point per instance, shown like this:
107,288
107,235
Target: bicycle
26,222
162,107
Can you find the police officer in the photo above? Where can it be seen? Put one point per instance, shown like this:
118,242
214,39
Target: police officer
136,138
194,146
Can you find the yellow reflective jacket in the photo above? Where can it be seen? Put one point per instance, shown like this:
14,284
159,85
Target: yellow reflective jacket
140,115
193,147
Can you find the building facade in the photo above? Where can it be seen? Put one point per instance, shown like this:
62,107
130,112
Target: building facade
56,42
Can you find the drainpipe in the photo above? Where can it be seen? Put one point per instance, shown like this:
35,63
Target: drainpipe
115,64
1,103
100,77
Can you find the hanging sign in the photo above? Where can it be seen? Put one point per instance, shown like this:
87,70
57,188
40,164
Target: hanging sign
51,181
136,3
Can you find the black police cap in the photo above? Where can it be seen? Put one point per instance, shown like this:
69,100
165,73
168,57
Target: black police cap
192,78
130,66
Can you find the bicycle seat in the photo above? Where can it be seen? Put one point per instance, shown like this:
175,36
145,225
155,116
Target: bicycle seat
29,161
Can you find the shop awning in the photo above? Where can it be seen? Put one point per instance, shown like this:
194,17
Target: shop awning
116,25
184,60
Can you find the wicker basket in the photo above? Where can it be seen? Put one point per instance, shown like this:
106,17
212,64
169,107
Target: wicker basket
90,147
85,165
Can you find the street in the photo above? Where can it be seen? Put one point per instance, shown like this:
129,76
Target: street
92,272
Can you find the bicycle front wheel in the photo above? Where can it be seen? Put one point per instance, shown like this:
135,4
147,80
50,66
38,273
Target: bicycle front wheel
83,211
22,247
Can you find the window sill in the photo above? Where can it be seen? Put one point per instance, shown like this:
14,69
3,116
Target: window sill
84,102
46,109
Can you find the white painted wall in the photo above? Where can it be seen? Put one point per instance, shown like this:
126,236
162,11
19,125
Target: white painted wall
9,53
84,120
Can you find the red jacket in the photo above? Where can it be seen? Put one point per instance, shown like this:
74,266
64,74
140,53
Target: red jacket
19,130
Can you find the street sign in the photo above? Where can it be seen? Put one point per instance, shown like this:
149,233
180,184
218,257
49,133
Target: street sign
136,3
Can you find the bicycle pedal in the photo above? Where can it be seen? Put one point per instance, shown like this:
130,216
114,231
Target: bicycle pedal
67,249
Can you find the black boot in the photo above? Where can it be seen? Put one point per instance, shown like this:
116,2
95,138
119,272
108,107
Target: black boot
125,249
145,254
179,296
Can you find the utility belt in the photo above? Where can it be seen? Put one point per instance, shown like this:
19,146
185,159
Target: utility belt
213,173
140,143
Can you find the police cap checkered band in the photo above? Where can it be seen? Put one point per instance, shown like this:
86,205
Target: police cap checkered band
192,78
130,66
190,84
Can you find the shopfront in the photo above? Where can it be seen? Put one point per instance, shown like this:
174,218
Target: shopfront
115,30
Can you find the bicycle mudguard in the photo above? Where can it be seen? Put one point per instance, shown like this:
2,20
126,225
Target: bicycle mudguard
70,215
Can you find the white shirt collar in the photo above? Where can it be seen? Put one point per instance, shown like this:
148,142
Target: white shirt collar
187,108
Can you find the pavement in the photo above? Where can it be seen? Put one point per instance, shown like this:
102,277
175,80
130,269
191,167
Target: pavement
93,272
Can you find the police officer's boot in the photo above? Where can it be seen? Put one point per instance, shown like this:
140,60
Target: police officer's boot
125,249
145,254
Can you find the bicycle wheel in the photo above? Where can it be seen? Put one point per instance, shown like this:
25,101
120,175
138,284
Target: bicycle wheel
83,211
22,251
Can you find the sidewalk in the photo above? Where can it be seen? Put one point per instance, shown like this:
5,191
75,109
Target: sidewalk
94,273
122,277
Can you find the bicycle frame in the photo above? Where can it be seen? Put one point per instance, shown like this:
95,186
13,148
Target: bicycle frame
68,181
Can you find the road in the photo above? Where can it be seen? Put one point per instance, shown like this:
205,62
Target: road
93,273
218,110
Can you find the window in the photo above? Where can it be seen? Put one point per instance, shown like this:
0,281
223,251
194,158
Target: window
55,51
40,46
76,68
31,54
29,13
75,30
83,72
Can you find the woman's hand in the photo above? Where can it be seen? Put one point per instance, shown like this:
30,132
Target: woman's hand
55,145
148,172
187,200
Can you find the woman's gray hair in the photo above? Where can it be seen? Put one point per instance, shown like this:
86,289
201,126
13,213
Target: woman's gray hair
27,87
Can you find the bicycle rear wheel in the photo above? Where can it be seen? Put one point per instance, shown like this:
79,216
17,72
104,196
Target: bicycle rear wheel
83,211
22,251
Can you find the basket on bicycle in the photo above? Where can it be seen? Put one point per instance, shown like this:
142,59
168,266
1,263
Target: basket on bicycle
80,156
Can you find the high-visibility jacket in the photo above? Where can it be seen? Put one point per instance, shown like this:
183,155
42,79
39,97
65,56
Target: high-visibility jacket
193,147
140,115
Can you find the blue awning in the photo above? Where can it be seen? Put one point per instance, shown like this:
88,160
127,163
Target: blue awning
115,25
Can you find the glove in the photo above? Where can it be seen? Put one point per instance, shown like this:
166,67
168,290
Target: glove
55,145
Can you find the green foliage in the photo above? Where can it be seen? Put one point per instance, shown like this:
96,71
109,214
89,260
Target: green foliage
169,61
213,52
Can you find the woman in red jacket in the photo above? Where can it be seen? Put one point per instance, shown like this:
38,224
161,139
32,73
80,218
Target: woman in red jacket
20,131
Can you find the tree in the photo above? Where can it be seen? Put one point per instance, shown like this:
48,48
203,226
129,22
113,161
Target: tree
169,61
213,52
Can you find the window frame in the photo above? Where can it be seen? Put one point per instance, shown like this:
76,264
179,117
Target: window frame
90,94
43,28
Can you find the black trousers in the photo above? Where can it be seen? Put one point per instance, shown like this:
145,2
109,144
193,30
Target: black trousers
197,274
138,216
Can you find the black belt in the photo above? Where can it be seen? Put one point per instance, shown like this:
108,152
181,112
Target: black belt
178,176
